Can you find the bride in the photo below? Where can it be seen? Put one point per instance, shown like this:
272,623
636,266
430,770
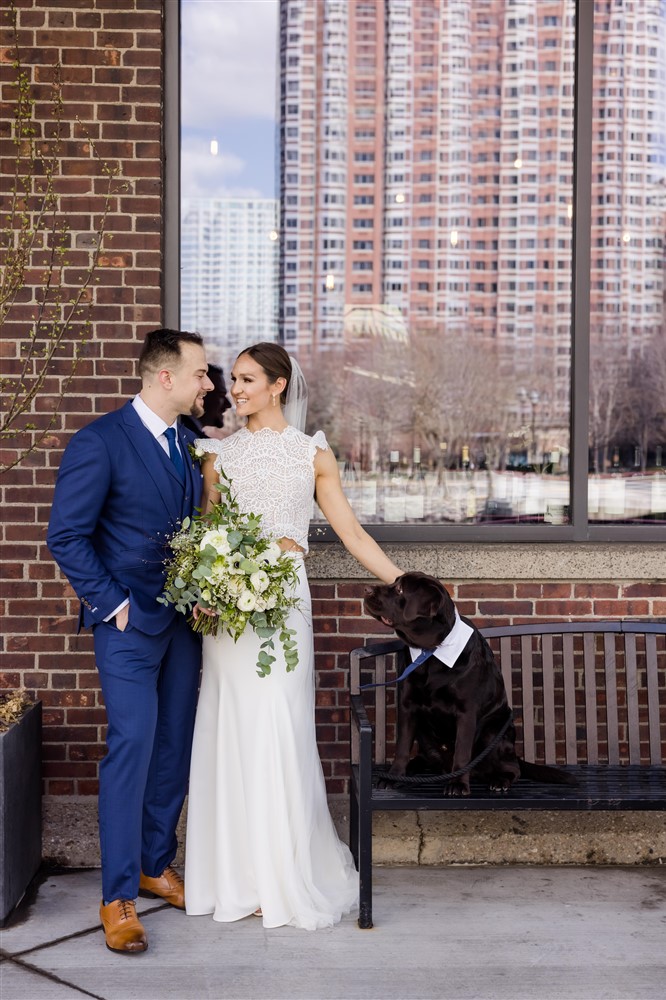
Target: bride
260,838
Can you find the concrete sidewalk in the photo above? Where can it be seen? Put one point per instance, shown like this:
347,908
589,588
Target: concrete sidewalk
449,933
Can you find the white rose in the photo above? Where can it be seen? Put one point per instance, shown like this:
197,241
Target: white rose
247,601
198,451
270,602
260,581
218,539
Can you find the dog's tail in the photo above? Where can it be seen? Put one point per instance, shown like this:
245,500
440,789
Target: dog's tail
548,775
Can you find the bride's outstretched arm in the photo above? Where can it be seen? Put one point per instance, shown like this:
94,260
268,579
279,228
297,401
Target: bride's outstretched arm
335,508
209,496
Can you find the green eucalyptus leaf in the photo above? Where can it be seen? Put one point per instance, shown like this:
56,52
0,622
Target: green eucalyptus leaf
249,566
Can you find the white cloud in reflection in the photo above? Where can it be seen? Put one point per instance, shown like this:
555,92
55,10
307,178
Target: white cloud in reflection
229,65
229,60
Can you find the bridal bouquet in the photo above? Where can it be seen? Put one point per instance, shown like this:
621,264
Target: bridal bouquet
220,562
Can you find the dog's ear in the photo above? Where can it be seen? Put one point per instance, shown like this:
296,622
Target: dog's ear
428,600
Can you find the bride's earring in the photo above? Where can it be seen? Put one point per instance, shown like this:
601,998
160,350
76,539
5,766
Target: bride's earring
274,403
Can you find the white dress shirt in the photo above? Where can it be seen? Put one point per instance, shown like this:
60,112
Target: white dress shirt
155,424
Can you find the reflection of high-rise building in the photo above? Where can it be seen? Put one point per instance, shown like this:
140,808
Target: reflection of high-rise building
629,173
442,172
426,168
229,261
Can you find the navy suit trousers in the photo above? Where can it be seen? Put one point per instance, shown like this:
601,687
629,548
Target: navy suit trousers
150,685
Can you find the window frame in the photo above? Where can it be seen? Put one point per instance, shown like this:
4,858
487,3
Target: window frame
580,529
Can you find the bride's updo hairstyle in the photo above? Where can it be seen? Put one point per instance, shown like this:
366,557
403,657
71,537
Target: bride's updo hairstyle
274,360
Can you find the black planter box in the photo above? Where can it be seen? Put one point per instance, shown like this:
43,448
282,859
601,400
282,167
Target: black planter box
20,807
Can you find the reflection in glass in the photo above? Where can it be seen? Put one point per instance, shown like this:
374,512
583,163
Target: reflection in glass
421,264
627,480
229,213
425,204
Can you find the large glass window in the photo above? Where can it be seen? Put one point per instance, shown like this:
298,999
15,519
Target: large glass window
389,188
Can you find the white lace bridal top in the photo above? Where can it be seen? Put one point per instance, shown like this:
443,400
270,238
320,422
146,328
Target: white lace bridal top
271,473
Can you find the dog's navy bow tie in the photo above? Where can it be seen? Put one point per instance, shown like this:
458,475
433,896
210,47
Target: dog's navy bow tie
421,658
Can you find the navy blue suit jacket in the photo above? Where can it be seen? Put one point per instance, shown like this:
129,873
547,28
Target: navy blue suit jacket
117,499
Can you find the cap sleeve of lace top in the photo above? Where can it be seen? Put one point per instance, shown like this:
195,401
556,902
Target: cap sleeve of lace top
318,441
210,445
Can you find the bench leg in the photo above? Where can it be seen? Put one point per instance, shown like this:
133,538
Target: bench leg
353,821
365,847
365,871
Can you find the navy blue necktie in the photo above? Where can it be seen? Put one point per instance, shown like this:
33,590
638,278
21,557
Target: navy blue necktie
174,453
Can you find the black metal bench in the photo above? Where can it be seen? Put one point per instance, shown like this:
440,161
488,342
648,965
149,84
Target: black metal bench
587,696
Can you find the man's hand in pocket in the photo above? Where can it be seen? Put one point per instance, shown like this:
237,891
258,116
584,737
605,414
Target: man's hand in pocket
122,618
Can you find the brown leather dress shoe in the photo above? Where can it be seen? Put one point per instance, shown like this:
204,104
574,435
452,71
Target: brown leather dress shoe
122,928
169,886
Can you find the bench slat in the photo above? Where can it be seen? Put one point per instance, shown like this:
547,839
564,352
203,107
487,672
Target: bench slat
505,664
528,696
380,710
592,734
549,733
633,733
569,676
612,726
652,684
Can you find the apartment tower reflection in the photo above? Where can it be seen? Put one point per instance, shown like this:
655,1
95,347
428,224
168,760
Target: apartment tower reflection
426,177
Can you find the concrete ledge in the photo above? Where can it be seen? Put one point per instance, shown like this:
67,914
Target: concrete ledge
424,838
538,838
502,561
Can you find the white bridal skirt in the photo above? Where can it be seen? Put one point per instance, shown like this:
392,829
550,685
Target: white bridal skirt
259,833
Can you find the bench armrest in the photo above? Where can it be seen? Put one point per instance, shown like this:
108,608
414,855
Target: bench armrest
359,713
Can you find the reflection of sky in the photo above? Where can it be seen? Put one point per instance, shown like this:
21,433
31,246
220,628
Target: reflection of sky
229,65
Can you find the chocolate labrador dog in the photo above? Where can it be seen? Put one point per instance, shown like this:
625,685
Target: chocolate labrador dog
454,703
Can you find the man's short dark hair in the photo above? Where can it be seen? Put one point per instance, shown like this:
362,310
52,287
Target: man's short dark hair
161,348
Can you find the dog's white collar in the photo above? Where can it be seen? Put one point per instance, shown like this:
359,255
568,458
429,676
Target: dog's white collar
450,649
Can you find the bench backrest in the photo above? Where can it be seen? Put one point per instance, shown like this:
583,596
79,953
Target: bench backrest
582,692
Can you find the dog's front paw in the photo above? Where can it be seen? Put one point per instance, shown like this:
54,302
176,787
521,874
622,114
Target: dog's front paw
458,788
500,786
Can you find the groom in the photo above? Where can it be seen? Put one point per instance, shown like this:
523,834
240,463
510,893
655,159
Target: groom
125,483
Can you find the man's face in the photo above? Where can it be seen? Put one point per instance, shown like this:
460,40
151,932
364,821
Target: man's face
189,381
